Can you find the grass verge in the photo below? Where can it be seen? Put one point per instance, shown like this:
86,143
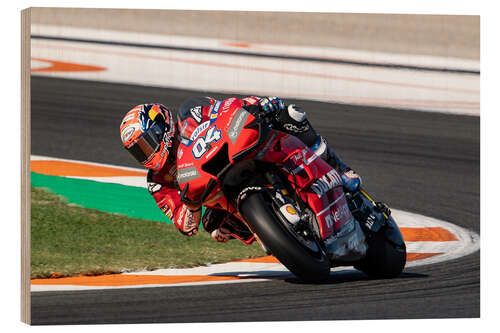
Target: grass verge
69,240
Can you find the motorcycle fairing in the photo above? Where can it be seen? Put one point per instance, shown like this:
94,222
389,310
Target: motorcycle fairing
316,182
240,136
223,136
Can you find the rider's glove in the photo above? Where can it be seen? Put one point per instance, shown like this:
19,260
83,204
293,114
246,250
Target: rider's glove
221,235
351,181
188,221
272,105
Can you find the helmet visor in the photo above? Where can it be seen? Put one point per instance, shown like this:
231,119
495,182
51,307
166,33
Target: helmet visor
145,147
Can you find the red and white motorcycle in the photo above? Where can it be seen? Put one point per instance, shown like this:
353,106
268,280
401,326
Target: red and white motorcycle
277,191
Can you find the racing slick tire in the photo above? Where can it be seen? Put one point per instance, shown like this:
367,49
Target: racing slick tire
386,255
308,265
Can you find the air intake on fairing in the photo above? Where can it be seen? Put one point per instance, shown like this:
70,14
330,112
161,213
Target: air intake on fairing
218,162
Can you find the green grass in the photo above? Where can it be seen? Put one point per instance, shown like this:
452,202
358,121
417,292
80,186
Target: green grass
71,240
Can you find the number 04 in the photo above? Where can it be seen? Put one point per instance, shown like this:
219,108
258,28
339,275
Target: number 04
200,145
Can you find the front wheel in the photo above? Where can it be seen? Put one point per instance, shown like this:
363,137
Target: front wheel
307,262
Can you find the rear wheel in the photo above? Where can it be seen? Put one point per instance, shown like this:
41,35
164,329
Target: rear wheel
386,255
303,256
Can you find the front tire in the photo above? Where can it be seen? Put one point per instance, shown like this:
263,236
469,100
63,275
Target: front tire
306,264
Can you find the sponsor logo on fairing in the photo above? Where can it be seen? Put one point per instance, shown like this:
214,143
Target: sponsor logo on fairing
337,215
185,165
342,212
237,124
329,221
227,103
302,156
214,112
197,131
216,107
326,183
187,174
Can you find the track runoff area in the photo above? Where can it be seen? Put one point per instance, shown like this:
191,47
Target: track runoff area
420,83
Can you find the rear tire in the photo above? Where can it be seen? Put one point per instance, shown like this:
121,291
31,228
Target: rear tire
306,264
384,258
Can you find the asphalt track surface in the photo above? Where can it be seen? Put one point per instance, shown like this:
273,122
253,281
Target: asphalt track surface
422,162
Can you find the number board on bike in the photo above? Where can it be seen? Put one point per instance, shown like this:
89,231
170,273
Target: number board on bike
203,143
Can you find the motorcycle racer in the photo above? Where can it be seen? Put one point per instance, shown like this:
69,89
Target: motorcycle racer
150,134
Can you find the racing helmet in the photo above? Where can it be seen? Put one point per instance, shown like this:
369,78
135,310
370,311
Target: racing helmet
147,132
